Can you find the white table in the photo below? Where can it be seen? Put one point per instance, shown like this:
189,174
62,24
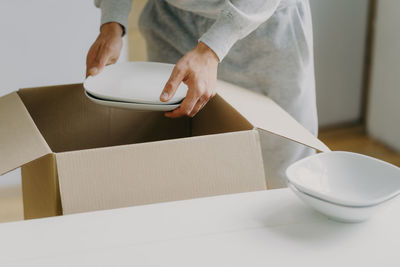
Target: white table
266,228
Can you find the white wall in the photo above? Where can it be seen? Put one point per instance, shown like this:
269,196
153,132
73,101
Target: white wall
44,42
339,37
384,99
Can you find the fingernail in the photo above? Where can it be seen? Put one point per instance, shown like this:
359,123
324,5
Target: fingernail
164,96
93,70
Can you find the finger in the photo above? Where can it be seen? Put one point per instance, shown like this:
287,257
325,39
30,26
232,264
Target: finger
186,107
91,56
184,110
177,75
199,105
102,57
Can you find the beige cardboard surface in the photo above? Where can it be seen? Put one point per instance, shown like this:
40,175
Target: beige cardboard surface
41,194
218,117
160,171
265,114
20,140
126,162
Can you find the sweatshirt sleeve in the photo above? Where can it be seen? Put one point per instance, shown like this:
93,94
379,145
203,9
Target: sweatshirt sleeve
237,19
114,11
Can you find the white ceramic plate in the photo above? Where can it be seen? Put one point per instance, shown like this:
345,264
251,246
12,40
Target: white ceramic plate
137,82
135,106
336,212
346,178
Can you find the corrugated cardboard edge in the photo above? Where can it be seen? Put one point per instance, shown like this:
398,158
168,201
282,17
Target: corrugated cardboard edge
20,139
262,112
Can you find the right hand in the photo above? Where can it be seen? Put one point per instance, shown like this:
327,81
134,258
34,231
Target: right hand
106,49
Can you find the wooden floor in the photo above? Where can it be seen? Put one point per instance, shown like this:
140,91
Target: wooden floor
354,139
345,138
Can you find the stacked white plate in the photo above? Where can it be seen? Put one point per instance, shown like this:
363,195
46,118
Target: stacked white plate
345,186
133,85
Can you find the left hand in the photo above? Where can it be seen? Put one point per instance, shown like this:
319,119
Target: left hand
198,70
106,49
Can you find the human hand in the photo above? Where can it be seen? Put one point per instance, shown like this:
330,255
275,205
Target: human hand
198,70
106,49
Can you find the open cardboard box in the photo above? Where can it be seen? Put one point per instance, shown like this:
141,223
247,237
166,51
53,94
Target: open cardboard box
78,156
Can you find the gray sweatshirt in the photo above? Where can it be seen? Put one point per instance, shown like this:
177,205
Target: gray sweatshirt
235,19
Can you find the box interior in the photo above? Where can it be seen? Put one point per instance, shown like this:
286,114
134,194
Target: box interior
69,121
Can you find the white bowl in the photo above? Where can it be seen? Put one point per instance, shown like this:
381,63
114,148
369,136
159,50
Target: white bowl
346,178
128,105
336,212
137,82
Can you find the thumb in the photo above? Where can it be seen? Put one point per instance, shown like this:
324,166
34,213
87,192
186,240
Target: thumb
177,75
99,62
93,71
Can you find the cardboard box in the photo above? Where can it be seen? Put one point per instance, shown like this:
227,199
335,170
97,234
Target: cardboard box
78,156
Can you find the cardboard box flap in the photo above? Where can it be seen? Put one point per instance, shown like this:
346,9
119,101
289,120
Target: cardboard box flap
178,169
20,140
265,114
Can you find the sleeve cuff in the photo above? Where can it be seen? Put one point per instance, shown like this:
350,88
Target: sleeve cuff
115,11
222,35
234,24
